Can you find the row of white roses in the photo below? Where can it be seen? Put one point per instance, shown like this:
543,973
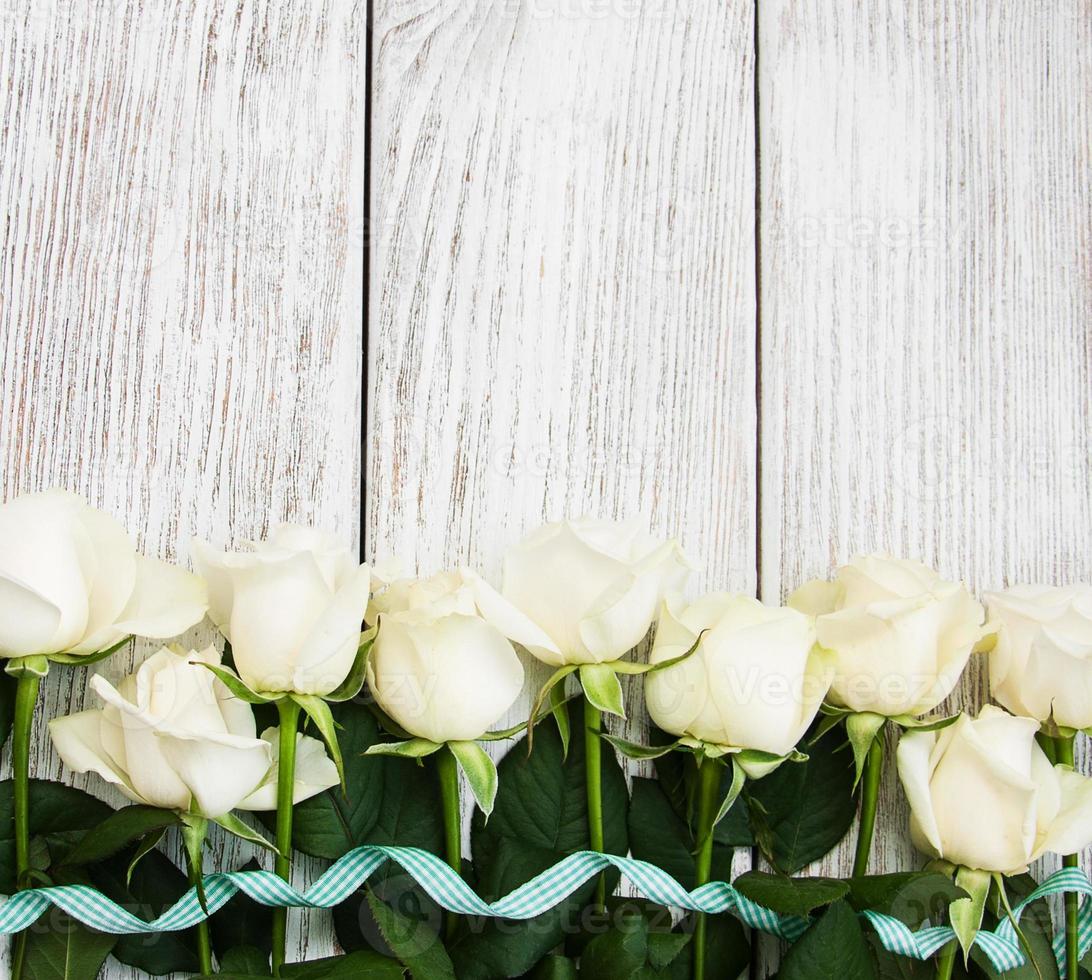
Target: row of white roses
887,637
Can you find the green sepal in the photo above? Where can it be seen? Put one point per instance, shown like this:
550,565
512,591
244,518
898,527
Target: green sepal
602,688
238,828
75,660
928,724
757,764
863,728
966,913
557,700
354,680
148,843
831,718
194,830
633,667
641,753
38,666
1003,902
234,683
319,712
414,748
480,770
554,680
739,776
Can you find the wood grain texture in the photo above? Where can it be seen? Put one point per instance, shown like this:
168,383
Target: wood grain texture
180,278
562,315
927,287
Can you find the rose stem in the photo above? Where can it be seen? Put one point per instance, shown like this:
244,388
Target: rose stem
1064,746
289,714
946,961
26,697
870,792
709,772
453,830
204,946
593,782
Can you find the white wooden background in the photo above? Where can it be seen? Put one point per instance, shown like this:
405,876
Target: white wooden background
795,279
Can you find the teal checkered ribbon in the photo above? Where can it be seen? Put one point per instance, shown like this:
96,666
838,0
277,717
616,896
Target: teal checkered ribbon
1066,880
538,895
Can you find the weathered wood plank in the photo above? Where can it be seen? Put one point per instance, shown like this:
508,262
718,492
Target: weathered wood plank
563,297
925,301
180,277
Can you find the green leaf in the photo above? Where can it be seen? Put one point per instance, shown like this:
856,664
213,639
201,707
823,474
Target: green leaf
59,816
67,950
891,966
415,748
319,712
353,966
665,948
388,802
966,913
618,953
602,688
155,885
540,816
727,946
246,960
235,826
800,812
677,774
912,897
554,968
413,944
790,896
354,680
659,835
118,831
480,771
833,947
243,924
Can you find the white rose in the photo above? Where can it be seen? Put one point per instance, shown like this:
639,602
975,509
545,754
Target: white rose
291,608
442,664
592,586
756,680
71,581
984,795
1042,663
901,635
172,736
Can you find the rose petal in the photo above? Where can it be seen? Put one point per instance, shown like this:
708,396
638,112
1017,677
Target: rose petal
315,772
78,743
327,654
219,770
